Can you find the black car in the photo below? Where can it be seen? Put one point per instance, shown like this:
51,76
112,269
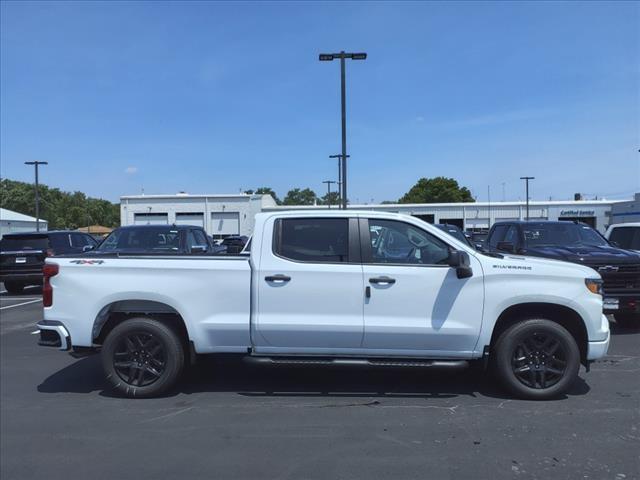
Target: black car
22,254
578,243
155,240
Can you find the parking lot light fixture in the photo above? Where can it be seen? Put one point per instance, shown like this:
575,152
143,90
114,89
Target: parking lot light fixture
37,163
526,179
328,57
329,182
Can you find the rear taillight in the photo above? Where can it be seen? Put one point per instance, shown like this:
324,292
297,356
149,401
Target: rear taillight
49,270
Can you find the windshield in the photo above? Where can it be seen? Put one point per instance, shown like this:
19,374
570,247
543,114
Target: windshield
12,244
626,237
561,235
160,239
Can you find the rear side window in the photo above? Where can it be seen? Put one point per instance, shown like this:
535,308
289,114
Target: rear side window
319,240
78,240
60,242
626,237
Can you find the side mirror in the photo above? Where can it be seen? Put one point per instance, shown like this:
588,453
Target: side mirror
614,243
506,247
460,261
86,248
199,249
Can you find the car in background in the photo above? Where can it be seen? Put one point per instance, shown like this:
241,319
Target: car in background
22,254
624,235
231,245
578,243
479,239
155,240
456,232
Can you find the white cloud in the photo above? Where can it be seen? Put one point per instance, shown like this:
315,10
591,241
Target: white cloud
131,170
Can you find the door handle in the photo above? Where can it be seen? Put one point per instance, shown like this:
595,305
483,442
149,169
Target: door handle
382,280
277,278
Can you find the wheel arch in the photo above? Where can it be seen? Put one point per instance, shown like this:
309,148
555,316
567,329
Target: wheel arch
119,311
560,314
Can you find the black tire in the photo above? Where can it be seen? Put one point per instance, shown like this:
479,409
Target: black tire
627,320
142,357
536,359
14,288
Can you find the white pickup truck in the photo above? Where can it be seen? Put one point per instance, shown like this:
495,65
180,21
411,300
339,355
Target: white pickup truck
330,287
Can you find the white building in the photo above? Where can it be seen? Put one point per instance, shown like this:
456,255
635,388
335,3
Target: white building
220,215
223,215
627,211
480,215
14,222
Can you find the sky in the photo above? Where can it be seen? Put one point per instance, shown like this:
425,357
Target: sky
214,97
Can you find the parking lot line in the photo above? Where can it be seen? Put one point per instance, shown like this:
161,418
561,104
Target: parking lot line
20,304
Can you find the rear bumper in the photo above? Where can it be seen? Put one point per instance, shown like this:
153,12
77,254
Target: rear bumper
599,348
28,278
54,334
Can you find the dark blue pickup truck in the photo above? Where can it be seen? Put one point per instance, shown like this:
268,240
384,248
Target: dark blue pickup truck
578,243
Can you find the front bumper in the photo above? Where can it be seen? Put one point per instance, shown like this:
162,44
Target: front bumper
598,349
53,334
621,303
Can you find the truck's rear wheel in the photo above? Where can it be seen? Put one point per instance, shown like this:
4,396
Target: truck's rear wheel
537,359
142,357
14,288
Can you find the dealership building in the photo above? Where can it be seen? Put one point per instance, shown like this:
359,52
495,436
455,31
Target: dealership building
224,215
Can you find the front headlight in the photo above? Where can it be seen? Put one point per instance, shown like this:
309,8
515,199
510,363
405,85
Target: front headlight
594,285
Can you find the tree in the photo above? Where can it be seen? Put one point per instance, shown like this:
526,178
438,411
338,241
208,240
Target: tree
437,190
300,197
268,191
60,209
332,199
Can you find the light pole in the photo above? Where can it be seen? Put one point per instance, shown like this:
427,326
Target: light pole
526,179
328,57
339,157
36,164
329,182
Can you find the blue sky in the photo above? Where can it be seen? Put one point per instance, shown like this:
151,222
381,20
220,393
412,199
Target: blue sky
215,97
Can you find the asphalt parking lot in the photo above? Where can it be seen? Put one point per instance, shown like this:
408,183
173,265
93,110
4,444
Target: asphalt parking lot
232,420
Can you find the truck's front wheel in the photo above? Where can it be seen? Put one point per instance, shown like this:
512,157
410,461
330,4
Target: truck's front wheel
537,359
142,357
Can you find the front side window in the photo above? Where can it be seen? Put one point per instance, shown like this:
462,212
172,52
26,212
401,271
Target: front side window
319,240
399,242
497,235
626,237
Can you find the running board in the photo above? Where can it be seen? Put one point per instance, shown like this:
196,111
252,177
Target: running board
367,362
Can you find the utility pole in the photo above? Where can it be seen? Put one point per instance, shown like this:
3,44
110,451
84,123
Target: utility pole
526,179
328,57
329,182
36,164
339,157
489,205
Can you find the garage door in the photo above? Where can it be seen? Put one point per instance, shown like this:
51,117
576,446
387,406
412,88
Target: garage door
225,223
196,219
150,219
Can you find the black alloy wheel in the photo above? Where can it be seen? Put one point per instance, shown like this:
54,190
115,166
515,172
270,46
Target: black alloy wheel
539,360
139,359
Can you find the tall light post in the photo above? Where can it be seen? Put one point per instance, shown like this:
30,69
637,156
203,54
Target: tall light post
328,57
526,179
329,182
36,164
339,157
